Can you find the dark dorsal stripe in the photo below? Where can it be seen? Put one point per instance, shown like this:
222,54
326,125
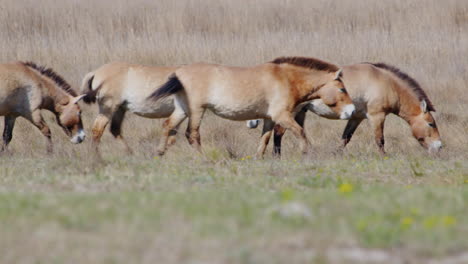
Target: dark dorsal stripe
48,72
310,63
412,83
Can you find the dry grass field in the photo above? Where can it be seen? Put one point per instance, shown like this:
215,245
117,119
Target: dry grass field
224,207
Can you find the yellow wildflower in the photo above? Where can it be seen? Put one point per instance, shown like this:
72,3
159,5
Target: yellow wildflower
407,221
345,188
430,222
448,220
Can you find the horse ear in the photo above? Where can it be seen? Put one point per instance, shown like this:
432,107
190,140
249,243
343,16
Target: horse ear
423,106
338,74
78,98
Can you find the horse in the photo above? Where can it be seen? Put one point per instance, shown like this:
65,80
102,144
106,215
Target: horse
273,91
26,89
119,87
378,89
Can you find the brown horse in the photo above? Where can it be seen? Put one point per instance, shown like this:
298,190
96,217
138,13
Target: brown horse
26,88
120,87
378,90
273,91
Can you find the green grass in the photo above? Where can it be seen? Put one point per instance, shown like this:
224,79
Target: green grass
231,210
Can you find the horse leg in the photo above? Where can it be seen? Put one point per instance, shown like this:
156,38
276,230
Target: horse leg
116,125
349,130
377,122
99,125
287,121
268,125
170,125
8,131
38,121
279,131
193,128
172,136
277,137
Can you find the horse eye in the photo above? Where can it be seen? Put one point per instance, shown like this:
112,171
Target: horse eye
420,139
343,90
431,125
332,105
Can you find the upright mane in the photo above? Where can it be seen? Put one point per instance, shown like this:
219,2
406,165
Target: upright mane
310,63
51,74
412,83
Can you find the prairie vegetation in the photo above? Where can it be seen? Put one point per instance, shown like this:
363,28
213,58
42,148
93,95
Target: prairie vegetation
224,207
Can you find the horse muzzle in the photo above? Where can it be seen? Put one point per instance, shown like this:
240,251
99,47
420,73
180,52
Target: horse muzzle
348,111
435,146
78,137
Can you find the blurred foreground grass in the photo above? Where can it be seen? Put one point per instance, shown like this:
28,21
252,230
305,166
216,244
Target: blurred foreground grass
220,210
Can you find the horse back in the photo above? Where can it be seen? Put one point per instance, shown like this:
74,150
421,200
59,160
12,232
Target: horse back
214,82
119,79
371,87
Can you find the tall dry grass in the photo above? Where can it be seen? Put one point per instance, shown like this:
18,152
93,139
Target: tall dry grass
213,209
427,39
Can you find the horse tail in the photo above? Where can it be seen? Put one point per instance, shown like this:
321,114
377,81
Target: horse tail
87,88
172,86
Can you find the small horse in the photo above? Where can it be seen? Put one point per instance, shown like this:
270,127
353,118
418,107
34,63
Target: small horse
120,87
272,91
378,90
26,88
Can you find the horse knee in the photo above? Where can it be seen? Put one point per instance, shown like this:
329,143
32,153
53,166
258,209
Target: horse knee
279,130
98,127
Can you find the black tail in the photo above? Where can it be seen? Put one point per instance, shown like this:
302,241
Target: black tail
172,86
90,96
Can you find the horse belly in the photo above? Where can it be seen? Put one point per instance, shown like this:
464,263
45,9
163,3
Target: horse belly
150,109
238,113
231,103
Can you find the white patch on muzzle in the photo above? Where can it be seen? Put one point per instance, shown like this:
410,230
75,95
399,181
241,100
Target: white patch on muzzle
253,123
348,111
78,137
435,146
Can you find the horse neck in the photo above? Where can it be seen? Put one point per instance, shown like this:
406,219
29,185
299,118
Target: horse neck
53,95
308,82
409,106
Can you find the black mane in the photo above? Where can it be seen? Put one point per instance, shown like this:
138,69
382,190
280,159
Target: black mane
412,83
310,63
51,74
